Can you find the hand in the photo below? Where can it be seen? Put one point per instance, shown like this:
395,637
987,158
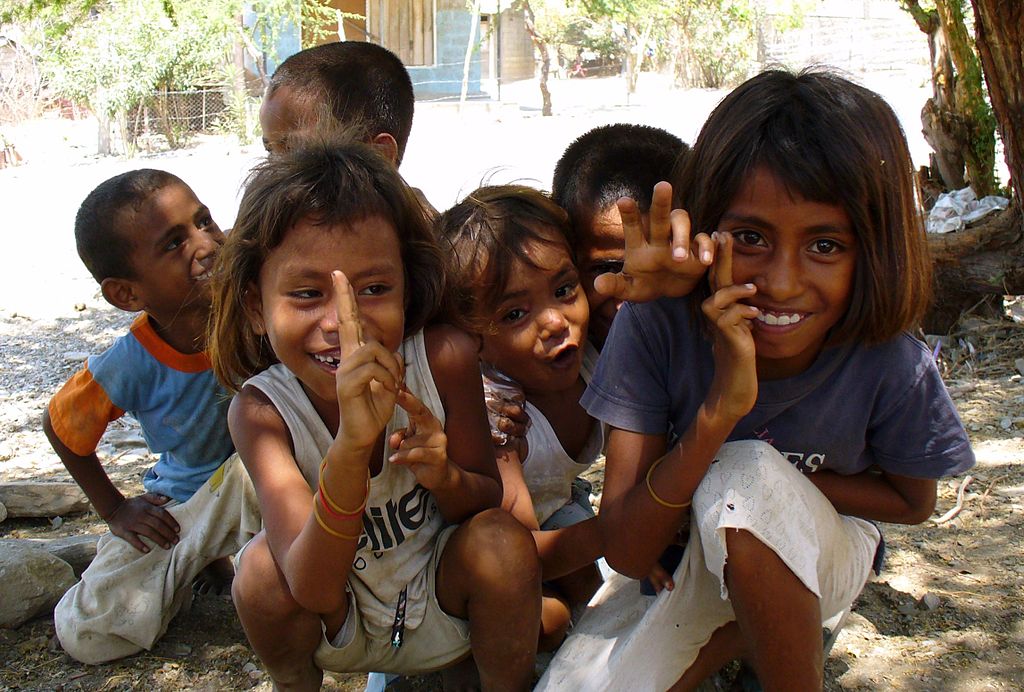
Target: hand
423,446
733,389
660,579
368,377
660,260
144,516
506,411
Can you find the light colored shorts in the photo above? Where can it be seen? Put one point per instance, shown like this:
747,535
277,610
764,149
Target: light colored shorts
629,641
438,641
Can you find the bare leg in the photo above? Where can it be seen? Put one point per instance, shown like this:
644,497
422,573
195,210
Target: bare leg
490,574
779,617
554,620
281,632
725,645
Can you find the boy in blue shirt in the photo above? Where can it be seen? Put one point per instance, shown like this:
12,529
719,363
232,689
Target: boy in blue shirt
151,245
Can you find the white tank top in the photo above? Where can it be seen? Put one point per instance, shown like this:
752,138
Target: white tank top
401,520
548,469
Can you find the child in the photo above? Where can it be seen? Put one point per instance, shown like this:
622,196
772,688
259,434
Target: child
150,243
600,167
365,436
833,415
518,285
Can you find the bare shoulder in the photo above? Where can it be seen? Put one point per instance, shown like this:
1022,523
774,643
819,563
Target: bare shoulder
252,415
450,351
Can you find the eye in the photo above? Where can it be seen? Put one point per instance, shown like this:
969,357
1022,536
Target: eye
305,294
826,246
606,267
375,290
174,243
749,238
514,315
566,290
204,222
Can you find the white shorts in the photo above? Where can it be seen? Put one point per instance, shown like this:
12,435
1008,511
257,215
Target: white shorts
629,641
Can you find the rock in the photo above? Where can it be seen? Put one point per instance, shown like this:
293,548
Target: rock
75,356
31,581
1019,364
79,307
35,499
77,551
3,512
929,601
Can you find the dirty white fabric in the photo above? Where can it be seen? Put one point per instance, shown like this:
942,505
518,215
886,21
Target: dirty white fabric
126,599
629,641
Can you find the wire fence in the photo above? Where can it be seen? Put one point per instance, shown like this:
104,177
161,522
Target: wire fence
177,115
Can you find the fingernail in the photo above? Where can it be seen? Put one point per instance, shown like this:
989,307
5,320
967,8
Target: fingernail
750,287
706,257
679,253
714,236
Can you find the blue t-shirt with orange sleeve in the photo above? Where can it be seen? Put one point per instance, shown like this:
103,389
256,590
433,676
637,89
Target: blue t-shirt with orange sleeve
174,396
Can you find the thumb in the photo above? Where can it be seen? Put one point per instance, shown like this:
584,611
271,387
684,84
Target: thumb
613,285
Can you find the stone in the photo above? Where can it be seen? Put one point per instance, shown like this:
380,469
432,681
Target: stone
3,512
929,601
36,499
75,356
31,581
77,551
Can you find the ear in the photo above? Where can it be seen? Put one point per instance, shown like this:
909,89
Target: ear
122,294
387,145
253,306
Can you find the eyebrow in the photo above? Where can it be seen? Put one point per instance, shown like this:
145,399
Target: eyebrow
758,221
307,273
569,268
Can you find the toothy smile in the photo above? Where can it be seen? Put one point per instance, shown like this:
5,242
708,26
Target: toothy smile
329,361
779,319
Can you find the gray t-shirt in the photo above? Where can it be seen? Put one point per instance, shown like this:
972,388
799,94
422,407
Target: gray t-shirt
855,407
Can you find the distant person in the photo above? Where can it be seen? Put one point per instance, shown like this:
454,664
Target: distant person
778,410
151,245
601,166
363,426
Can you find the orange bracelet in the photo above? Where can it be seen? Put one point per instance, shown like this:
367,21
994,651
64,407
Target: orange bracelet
339,515
654,495
357,512
329,530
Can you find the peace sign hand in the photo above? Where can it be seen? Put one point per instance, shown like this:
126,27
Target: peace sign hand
368,377
660,260
733,389
423,445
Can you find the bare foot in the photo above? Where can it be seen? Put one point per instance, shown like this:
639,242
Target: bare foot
215,578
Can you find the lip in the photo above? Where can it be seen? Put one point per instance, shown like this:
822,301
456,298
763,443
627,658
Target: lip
321,360
775,319
206,264
566,358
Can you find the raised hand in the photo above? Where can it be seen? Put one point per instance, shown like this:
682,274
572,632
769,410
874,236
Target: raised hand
423,445
144,516
368,378
661,259
733,389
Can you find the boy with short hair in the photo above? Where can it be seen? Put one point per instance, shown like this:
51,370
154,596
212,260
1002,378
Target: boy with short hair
598,168
151,245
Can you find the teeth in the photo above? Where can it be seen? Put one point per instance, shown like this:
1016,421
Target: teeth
781,320
204,276
329,360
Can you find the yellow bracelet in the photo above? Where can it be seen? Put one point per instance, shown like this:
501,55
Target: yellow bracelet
329,530
323,493
654,495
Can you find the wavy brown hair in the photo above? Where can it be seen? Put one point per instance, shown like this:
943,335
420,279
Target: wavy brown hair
831,141
335,182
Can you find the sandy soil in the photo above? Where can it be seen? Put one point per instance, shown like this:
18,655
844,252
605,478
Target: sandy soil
968,634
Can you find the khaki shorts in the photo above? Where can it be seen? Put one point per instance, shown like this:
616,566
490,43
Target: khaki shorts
438,641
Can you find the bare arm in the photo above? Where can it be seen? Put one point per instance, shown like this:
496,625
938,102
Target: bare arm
563,551
128,518
879,496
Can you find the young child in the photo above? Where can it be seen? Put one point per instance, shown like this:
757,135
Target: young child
517,284
797,409
600,167
365,435
151,244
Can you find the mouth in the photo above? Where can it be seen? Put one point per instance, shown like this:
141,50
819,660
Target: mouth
206,264
566,358
328,361
773,318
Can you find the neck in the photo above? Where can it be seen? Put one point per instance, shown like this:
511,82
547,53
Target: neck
186,333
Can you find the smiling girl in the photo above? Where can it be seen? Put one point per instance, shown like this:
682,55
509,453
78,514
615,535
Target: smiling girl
365,435
781,409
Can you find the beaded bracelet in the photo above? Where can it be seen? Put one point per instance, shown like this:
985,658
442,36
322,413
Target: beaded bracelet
654,495
338,511
329,530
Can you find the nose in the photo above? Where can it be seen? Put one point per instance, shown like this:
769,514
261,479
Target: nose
206,242
779,278
328,322
552,322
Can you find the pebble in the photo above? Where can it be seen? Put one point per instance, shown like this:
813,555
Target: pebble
75,356
929,601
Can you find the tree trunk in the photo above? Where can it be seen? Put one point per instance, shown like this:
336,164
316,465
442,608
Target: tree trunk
541,44
104,145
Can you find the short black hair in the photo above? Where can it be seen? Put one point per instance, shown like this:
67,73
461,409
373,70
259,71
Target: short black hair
359,82
610,162
105,248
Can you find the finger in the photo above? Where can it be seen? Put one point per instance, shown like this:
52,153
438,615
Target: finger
364,375
155,499
721,270
659,217
132,538
632,228
420,416
416,455
737,314
350,330
724,298
705,248
613,285
660,579
157,531
395,441
680,221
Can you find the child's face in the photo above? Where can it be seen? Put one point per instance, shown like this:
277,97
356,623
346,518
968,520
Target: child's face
801,256
294,304
282,115
539,325
175,244
602,249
